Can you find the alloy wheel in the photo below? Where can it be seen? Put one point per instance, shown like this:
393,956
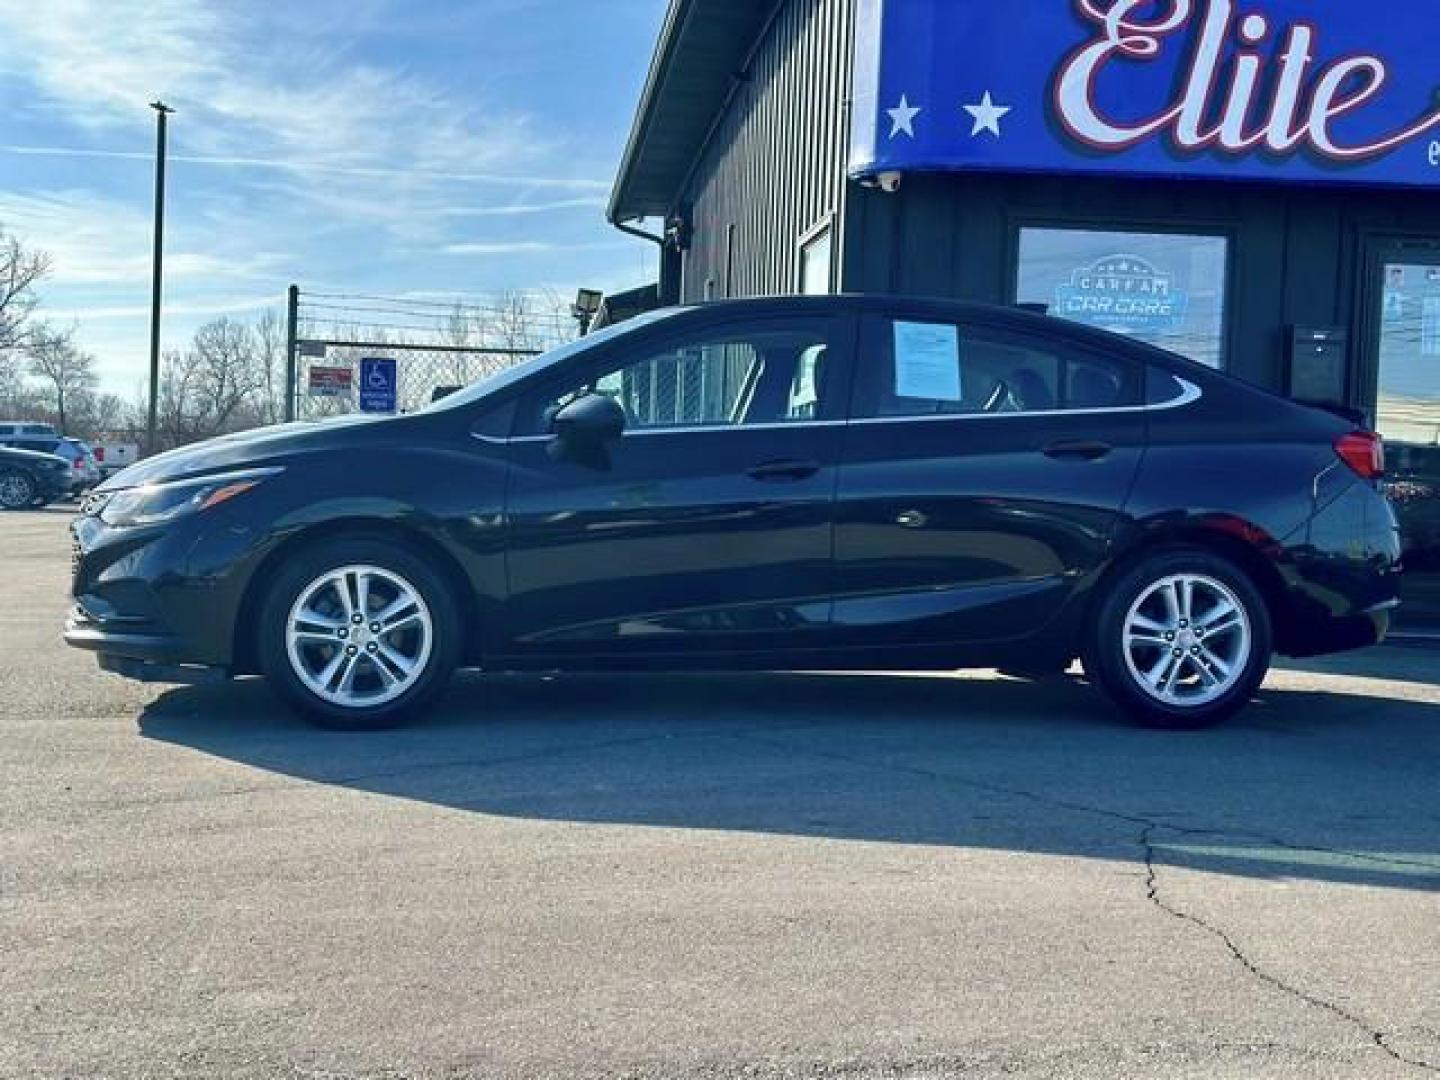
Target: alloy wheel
359,636
1187,640
16,491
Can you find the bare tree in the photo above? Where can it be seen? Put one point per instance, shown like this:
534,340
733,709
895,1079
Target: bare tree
270,340
178,399
106,415
21,270
68,371
231,373
460,332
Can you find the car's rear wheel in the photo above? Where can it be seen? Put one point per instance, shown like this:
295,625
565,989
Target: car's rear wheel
17,491
359,633
1182,640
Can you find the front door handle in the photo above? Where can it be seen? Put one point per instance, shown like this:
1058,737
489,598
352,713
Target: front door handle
1078,450
773,471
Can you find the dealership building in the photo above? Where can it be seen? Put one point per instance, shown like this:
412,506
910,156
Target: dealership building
1252,183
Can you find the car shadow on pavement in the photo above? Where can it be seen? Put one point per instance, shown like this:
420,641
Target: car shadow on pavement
1331,784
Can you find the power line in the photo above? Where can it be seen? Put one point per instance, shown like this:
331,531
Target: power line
447,304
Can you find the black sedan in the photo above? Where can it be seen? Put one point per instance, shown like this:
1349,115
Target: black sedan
30,479
825,483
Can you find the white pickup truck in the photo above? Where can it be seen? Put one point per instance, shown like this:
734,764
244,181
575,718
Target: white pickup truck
114,456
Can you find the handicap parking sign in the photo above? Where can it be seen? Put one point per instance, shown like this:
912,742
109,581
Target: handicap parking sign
379,381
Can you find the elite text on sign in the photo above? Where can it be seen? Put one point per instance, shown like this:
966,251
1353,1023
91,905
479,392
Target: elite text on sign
1324,91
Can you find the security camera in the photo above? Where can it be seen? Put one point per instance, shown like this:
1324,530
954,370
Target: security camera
890,182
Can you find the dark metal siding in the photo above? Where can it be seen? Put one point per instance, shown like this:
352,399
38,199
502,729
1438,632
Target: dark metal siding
1295,252
775,164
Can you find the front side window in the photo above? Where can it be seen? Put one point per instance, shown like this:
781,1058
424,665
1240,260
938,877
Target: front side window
924,368
1166,289
722,379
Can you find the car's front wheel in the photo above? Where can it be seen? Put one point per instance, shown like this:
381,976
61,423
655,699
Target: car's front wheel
17,491
359,633
1181,640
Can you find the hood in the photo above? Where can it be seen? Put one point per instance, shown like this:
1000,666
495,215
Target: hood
33,457
245,449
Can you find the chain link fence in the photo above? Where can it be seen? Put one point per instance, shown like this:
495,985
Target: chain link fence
419,348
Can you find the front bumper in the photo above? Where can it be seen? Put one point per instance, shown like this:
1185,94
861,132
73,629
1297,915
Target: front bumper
157,603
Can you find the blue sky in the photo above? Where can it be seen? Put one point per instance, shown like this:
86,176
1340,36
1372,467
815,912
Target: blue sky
391,146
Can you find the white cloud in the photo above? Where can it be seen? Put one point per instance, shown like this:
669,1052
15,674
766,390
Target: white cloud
526,247
238,91
363,172
523,209
307,147
206,309
96,241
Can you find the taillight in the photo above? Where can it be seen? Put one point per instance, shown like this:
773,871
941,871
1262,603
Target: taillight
1364,452
76,463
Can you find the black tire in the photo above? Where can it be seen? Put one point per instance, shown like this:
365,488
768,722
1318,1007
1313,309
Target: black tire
297,576
1109,669
18,490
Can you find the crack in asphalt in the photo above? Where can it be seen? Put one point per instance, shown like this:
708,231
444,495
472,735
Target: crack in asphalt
1149,828
1152,893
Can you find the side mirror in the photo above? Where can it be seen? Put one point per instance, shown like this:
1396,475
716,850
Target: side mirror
590,421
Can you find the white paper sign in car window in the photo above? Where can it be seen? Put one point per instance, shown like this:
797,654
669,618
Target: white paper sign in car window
927,361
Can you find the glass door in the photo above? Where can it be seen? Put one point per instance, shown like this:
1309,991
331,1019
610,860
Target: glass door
1407,412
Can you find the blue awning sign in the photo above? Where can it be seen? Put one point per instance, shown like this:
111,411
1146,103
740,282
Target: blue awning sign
1324,91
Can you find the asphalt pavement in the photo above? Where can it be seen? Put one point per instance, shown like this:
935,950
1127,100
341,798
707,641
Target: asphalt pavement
700,876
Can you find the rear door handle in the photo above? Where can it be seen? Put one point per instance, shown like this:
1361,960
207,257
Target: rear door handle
1078,449
773,471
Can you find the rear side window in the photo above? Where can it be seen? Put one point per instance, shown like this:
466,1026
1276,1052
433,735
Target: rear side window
926,368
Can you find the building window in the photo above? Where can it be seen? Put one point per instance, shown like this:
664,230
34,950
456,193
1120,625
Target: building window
1164,288
817,265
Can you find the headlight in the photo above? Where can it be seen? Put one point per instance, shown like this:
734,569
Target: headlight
156,503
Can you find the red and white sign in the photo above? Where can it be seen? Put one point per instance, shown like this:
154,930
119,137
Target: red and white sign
331,381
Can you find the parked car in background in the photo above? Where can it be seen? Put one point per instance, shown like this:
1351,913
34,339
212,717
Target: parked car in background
11,430
29,479
844,483
84,469
84,472
113,456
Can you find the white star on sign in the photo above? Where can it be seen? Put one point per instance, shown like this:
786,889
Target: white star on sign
987,115
902,118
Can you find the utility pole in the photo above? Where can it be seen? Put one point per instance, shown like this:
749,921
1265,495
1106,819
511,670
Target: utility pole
162,115
292,323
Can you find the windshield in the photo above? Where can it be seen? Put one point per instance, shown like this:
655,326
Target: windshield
485,387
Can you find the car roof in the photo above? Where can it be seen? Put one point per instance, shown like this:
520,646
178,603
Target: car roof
1019,320
1013,317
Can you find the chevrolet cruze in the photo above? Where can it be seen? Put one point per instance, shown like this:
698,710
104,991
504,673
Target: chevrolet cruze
821,483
